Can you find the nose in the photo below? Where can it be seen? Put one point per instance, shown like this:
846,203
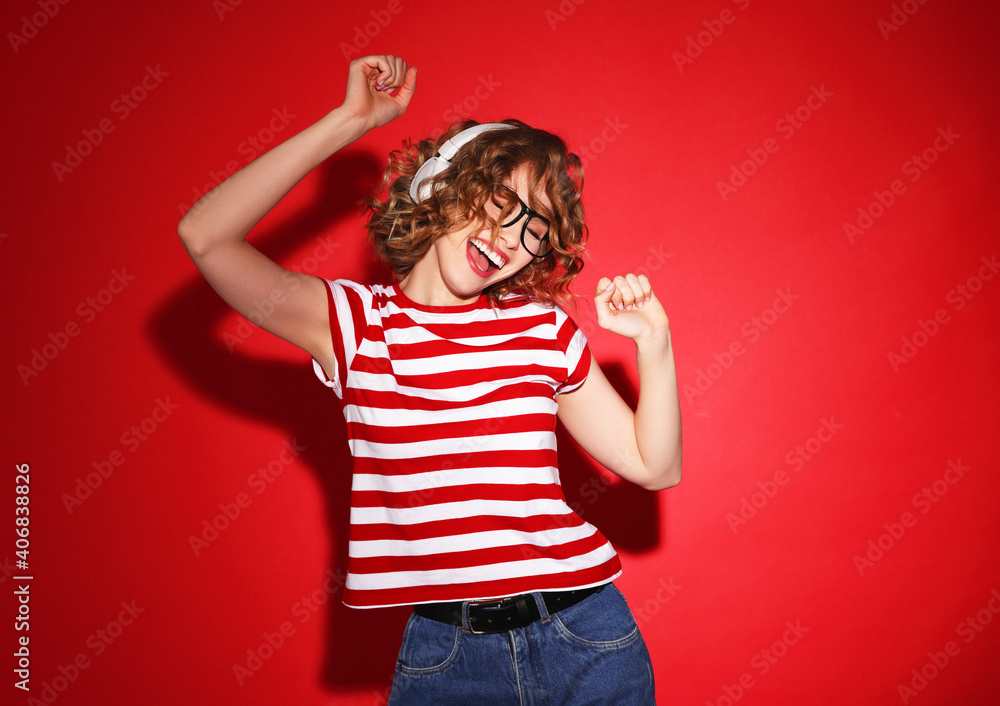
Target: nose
510,236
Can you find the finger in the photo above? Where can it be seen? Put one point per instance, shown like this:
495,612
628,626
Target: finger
623,296
398,76
603,298
604,289
647,288
614,297
394,75
385,65
377,65
369,68
635,289
405,92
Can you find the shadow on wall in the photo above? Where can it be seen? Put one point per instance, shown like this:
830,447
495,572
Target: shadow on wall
361,645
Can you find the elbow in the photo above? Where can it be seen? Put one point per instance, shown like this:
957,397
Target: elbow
194,245
184,232
664,483
668,479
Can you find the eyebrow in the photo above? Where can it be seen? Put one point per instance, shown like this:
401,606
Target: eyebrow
530,209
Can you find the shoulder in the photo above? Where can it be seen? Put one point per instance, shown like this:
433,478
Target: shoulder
353,305
349,284
353,293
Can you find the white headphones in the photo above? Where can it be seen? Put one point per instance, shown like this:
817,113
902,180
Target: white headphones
419,188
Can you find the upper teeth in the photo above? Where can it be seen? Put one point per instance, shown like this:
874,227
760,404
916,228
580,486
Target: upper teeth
485,249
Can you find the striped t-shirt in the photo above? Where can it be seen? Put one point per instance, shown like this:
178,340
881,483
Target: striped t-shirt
451,417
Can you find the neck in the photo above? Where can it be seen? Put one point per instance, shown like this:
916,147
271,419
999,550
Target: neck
424,285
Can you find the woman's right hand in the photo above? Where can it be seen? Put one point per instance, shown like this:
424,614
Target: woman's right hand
369,82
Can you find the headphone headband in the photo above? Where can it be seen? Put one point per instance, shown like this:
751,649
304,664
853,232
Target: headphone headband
419,188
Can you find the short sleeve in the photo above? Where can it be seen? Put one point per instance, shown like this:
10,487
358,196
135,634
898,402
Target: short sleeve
347,305
576,353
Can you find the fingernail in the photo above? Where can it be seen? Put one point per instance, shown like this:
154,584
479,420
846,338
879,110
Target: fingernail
628,308
640,303
611,285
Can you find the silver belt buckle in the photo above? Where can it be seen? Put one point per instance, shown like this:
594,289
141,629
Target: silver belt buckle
468,620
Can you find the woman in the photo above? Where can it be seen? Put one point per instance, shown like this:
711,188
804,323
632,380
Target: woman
451,380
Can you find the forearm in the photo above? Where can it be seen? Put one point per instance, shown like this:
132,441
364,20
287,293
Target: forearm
230,210
658,413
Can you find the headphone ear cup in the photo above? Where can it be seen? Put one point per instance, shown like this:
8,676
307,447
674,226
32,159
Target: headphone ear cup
435,165
420,189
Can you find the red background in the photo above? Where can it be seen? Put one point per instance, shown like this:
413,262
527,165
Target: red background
713,594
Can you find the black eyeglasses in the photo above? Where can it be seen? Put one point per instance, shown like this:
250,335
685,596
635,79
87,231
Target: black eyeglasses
534,230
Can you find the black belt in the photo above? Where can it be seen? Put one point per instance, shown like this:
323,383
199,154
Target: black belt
505,614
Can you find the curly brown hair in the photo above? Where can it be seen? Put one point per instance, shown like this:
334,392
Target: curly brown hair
402,231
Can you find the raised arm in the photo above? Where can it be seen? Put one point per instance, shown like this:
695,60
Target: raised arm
214,230
644,446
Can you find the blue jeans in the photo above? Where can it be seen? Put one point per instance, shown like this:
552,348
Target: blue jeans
589,653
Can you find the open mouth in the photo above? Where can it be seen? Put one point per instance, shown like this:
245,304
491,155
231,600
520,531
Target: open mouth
483,259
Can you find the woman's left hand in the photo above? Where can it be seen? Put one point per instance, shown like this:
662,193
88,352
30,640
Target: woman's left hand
627,305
